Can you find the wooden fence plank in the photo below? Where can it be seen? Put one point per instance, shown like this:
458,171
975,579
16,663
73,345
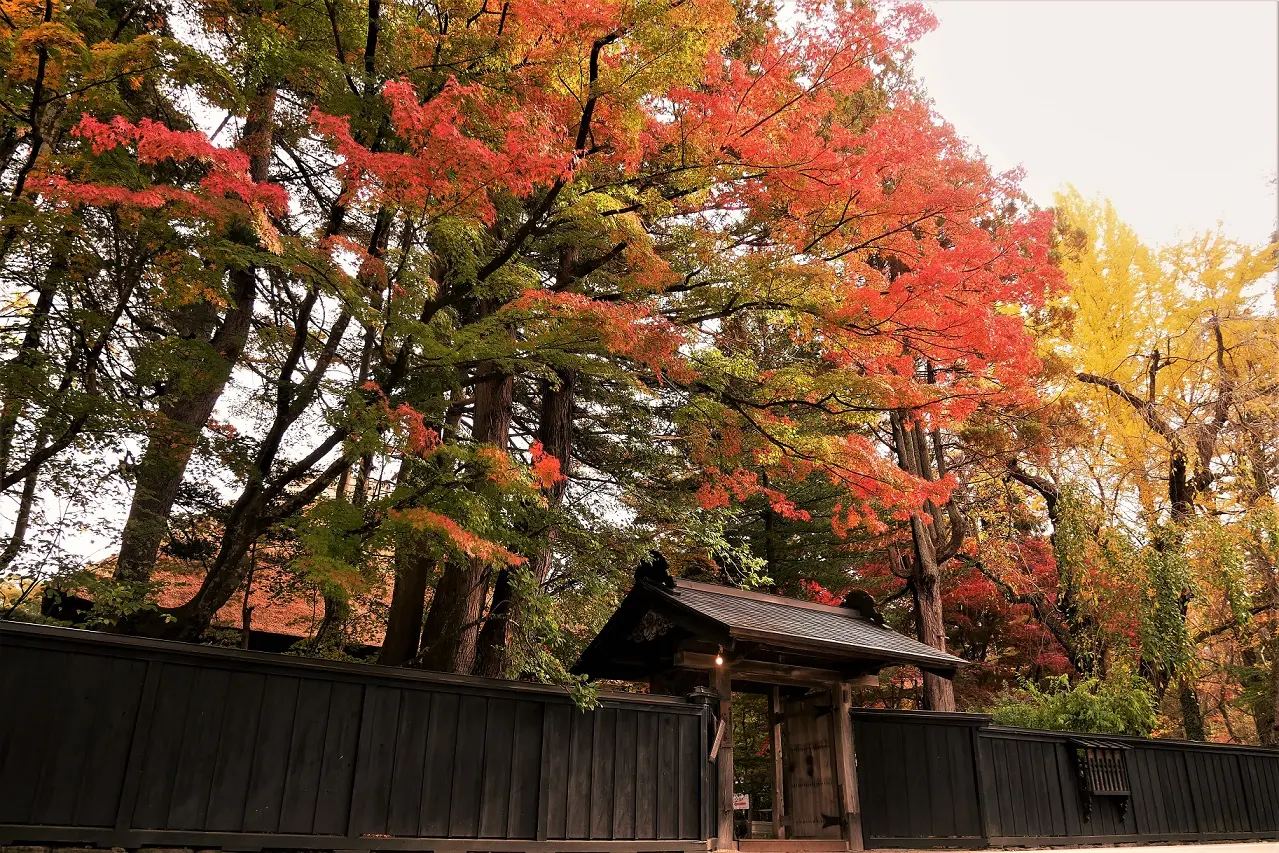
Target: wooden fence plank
337,767
646,776
687,777
197,758
163,742
404,807
526,771
667,764
437,767
603,753
468,767
73,722
102,782
495,791
577,817
26,732
271,758
626,743
553,795
236,745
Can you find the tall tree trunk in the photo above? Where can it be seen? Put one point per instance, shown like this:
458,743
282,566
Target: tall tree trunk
332,631
414,568
20,523
1191,711
408,603
29,354
451,634
915,454
448,637
555,431
939,692
183,415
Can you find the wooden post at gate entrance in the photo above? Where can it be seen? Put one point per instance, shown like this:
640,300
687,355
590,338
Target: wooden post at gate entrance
723,678
846,766
779,779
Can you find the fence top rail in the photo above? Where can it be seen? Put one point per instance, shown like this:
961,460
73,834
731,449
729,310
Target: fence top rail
1017,733
923,716
986,728
146,648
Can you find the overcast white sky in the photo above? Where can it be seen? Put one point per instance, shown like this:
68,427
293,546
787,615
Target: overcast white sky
1169,107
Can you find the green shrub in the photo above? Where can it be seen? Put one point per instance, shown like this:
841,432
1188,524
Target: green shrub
1122,704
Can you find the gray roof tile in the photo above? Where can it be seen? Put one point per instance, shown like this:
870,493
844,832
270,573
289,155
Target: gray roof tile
835,627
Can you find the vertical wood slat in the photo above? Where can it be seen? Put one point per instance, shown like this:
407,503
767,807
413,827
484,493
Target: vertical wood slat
941,812
1161,781
626,745
1143,803
18,732
603,755
404,809
197,758
26,737
686,777
271,757
553,791
437,766
1257,804
105,767
163,742
468,767
894,743
137,749
1244,821
646,778
337,767
577,813
236,746
988,791
1052,784
306,756
1068,785
374,762
495,790
667,793
526,758
966,782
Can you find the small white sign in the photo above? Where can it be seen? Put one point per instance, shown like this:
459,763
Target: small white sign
741,801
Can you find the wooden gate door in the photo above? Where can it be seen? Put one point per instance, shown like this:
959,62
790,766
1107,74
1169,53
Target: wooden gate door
812,798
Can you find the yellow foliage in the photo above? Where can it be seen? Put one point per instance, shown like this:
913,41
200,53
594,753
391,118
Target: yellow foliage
1149,320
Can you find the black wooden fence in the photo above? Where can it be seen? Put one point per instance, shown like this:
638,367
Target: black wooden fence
123,742
956,780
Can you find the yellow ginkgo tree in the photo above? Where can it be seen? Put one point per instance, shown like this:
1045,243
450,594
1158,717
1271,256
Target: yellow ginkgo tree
1171,363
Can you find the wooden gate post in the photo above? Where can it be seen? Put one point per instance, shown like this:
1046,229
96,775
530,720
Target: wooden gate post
779,777
846,766
723,676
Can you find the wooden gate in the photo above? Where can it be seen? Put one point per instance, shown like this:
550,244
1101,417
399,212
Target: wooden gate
812,799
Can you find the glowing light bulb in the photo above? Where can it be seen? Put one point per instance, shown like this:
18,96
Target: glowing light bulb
719,660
